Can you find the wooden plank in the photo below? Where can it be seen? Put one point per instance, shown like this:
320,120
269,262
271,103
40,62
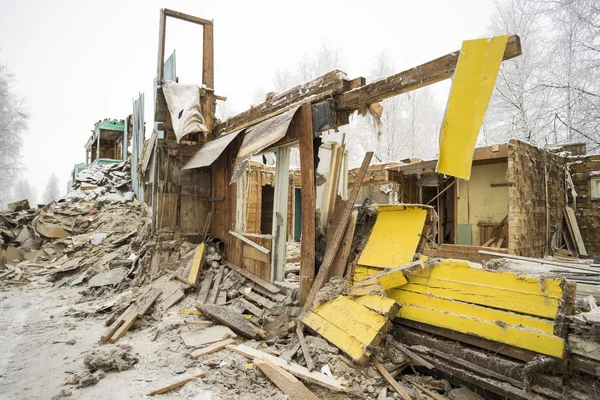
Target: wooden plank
574,228
175,385
250,242
271,288
303,124
397,387
161,52
286,382
426,74
251,252
207,336
385,280
205,287
250,295
197,264
256,311
341,258
310,364
225,316
212,348
298,371
212,297
340,227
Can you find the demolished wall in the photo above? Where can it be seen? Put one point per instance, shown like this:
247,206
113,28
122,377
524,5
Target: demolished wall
587,210
535,197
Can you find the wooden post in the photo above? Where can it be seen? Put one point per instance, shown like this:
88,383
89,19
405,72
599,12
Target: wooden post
334,241
162,25
208,75
307,177
280,210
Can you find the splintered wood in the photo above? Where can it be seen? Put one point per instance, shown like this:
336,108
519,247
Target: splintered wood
136,310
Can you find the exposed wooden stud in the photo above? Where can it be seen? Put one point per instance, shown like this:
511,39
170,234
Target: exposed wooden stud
212,297
338,231
303,123
280,210
206,226
310,364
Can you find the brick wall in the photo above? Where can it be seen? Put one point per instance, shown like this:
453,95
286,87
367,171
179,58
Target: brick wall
587,210
528,203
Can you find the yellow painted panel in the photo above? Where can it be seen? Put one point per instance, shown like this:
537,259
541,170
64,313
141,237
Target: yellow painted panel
351,317
348,344
505,299
470,310
518,337
461,271
379,304
472,87
196,264
395,236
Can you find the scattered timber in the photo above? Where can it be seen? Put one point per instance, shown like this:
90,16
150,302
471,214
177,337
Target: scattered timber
286,382
175,385
225,316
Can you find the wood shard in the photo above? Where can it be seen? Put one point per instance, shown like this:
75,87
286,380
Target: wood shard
286,382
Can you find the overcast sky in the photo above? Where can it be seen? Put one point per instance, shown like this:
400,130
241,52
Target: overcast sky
77,62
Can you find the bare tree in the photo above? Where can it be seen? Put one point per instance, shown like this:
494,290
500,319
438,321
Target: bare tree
410,122
52,191
24,190
520,106
13,126
327,58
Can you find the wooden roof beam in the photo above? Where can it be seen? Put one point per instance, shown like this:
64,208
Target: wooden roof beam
426,74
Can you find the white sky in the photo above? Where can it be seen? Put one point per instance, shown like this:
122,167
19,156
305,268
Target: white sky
77,62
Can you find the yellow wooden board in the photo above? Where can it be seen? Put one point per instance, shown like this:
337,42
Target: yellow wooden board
395,236
472,87
473,311
379,304
342,340
455,279
196,264
519,337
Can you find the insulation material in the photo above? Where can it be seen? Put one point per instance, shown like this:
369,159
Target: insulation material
504,307
472,87
183,101
260,136
208,153
395,236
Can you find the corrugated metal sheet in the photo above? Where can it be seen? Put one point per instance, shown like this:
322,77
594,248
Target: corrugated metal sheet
260,136
210,151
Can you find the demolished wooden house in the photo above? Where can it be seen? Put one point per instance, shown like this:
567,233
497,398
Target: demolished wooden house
499,332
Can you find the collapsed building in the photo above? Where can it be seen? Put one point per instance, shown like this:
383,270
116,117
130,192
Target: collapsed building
476,267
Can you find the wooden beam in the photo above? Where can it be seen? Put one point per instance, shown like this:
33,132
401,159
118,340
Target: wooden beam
338,232
426,74
303,124
280,211
325,86
175,385
186,17
307,357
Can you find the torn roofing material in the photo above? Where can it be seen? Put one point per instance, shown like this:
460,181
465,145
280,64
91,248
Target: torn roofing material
210,151
260,136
